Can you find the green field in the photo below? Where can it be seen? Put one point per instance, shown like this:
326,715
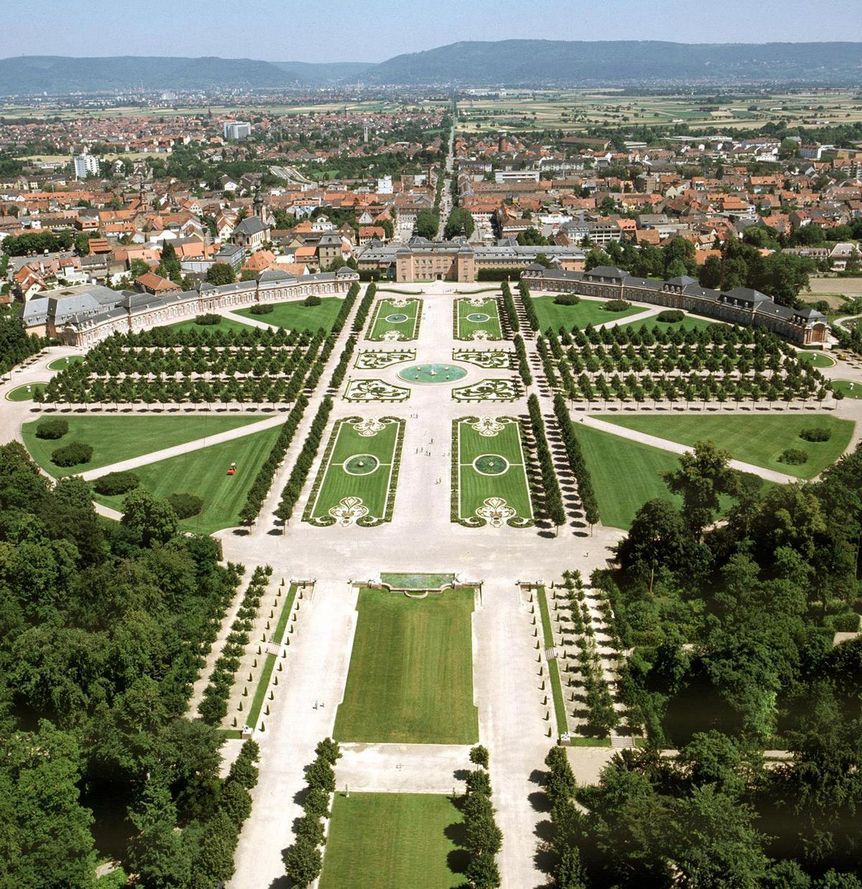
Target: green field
63,363
411,671
204,473
847,389
225,325
690,322
625,474
755,440
471,320
392,840
587,311
26,392
402,319
816,359
487,467
296,316
118,438
357,466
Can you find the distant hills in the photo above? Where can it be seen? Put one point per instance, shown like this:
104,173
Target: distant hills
467,64
536,62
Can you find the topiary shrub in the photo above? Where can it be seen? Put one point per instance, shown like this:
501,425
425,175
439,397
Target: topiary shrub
116,483
72,454
312,300
52,428
261,309
846,622
567,299
815,433
186,505
207,320
793,456
617,305
670,316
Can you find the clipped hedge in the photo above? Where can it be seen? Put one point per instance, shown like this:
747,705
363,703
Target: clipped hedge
186,505
815,433
553,495
578,464
793,456
670,316
52,428
262,309
210,320
567,299
617,305
523,362
529,308
116,483
312,300
510,310
73,454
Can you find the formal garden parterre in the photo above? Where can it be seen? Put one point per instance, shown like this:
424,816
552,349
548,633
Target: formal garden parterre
477,318
395,320
490,485
358,476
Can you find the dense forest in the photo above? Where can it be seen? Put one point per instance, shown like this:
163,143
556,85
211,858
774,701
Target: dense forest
730,631
103,628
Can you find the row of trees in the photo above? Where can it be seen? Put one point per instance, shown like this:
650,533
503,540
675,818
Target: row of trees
293,489
364,308
510,310
554,508
529,308
15,344
482,837
303,859
265,474
213,705
577,463
523,362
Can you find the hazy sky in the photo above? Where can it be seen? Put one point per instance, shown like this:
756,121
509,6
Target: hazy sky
373,30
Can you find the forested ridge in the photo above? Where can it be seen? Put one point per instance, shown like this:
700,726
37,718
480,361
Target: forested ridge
102,631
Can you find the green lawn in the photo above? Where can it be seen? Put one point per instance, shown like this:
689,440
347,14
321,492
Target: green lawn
816,359
471,319
25,393
118,438
403,319
393,841
411,671
417,581
204,473
625,474
757,440
473,487
63,363
296,316
225,324
587,311
553,667
847,389
690,322
357,466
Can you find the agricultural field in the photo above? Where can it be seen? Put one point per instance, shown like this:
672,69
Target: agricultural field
358,475
383,840
477,319
756,440
115,439
395,320
575,111
411,671
204,473
587,311
489,473
298,316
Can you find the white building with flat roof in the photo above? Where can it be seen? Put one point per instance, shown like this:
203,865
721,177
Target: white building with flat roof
85,165
236,130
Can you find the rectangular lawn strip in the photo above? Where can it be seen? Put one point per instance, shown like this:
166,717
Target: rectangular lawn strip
409,328
417,581
474,487
296,316
226,325
465,328
553,667
334,482
204,473
411,671
388,840
260,691
689,322
587,311
117,438
281,626
757,440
